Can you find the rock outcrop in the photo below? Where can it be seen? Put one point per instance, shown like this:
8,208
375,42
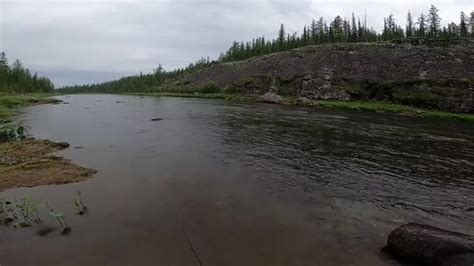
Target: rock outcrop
430,77
427,245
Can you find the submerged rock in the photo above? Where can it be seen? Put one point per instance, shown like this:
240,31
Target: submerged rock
45,230
271,97
66,230
156,119
428,245
61,145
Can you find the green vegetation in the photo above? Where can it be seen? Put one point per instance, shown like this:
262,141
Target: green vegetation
11,132
18,79
8,103
79,206
394,108
27,212
342,30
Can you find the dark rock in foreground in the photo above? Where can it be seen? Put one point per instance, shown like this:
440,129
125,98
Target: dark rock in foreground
427,245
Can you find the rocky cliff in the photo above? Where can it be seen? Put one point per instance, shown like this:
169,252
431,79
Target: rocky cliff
430,77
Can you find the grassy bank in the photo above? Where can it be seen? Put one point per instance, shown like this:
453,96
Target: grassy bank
8,103
366,106
383,107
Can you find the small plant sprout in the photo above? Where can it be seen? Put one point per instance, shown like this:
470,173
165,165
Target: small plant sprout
2,210
23,208
61,220
8,212
32,209
79,206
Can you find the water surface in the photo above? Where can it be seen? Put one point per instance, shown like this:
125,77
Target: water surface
250,184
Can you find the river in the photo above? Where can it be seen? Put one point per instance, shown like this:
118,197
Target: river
242,184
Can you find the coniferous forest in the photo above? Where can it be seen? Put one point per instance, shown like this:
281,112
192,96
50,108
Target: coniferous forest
18,79
419,29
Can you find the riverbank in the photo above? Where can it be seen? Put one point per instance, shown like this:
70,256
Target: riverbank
27,162
8,103
366,106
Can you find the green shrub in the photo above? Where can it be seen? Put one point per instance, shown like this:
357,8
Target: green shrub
210,87
9,133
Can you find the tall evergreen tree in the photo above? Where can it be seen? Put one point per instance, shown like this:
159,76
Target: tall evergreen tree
337,29
354,32
434,21
421,26
281,37
463,26
471,23
314,31
409,30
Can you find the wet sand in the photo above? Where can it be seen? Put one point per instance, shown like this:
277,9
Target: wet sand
30,163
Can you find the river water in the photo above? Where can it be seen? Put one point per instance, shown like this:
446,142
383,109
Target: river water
242,184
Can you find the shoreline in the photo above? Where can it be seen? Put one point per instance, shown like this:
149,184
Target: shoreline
364,106
9,103
28,162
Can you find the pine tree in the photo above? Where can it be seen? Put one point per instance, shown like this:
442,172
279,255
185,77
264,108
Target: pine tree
305,37
354,29
434,21
322,28
463,26
281,37
409,30
471,23
4,71
314,32
337,29
421,26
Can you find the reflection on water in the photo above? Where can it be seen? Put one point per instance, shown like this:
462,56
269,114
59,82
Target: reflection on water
254,184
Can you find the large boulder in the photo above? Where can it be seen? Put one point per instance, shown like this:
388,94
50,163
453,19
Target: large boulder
428,245
271,97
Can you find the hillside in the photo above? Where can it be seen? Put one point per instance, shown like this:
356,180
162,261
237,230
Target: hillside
431,77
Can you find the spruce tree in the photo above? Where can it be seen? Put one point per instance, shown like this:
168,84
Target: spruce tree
434,21
354,29
471,23
463,26
314,32
421,26
409,30
281,37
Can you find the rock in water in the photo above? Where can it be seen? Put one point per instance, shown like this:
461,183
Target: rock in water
428,245
271,97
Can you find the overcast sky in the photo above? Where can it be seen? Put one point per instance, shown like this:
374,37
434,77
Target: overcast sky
88,41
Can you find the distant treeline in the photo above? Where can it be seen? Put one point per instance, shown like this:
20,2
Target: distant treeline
339,30
139,83
18,79
342,30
